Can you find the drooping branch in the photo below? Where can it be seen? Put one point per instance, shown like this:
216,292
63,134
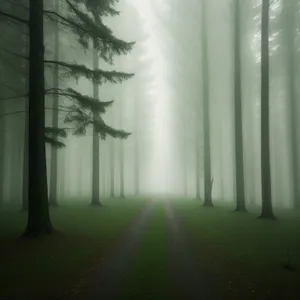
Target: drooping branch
85,102
98,76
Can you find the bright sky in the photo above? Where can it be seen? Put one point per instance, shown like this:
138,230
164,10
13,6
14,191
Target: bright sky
161,162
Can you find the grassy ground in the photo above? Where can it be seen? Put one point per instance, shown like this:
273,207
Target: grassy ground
149,273
49,265
248,253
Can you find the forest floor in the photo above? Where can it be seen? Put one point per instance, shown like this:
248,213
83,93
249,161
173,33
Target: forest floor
157,250
249,255
37,269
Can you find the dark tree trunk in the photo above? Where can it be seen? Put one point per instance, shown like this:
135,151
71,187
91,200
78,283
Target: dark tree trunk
53,169
238,125
2,147
38,211
267,210
291,56
25,159
206,112
96,145
197,156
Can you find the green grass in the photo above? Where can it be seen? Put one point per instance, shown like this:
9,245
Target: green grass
149,273
247,252
31,269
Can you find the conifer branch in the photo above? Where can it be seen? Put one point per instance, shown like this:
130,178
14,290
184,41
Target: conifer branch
98,76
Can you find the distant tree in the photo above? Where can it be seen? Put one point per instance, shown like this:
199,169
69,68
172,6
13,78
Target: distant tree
112,168
267,210
206,111
98,9
239,157
291,12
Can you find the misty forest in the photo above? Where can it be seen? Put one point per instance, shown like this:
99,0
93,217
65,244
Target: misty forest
149,149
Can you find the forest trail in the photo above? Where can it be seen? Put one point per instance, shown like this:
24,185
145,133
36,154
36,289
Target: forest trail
188,281
168,263
105,280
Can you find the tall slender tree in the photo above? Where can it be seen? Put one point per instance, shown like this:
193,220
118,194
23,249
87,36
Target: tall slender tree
121,152
112,168
238,121
267,210
55,115
290,30
38,212
206,111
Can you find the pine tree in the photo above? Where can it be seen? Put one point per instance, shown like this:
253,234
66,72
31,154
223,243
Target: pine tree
55,115
239,157
206,111
84,111
290,30
267,211
98,10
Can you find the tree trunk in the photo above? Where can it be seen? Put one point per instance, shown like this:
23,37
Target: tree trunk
291,56
267,210
238,126
197,156
122,186
2,139
206,112
53,169
38,211
25,159
137,148
96,146
112,169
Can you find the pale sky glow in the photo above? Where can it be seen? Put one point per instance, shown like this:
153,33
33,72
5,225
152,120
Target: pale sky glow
160,163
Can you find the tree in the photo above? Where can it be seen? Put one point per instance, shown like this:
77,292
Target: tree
79,113
99,9
290,11
267,210
206,111
239,157
55,114
112,168
38,211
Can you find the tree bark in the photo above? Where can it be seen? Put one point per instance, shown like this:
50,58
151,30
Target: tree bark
38,211
238,125
122,170
2,138
55,112
291,63
112,169
96,146
197,156
267,210
206,112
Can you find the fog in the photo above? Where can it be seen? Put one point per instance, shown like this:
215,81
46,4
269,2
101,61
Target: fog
161,106
149,149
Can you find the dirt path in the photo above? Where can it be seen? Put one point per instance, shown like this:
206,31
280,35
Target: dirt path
189,282
105,280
